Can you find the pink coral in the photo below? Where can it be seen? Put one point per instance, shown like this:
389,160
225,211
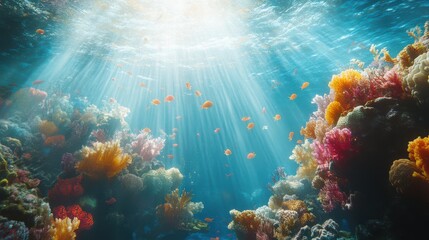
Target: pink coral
331,196
148,147
338,143
321,155
388,84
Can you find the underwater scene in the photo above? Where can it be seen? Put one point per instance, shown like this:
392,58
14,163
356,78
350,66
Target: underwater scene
214,119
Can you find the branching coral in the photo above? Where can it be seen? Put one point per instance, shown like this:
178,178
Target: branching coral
245,223
331,195
64,229
303,155
407,56
103,161
148,147
74,211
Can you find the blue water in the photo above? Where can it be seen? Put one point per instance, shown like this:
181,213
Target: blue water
244,56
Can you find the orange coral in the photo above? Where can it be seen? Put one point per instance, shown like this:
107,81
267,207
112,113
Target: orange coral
306,218
295,205
244,222
418,150
342,84
47,128
333,112
57,140
105,160
170,212
308,131
64,229
407,55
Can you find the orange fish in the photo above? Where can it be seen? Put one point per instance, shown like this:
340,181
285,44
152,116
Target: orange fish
147,130
216,130
293,96
250,125
291,136
299,141
245,119
198,93
251,155
188,86
277,117
305,85
142,84
170,156
156,101
228,152
169,98
207,105
209,220
40,31
37,82
175,145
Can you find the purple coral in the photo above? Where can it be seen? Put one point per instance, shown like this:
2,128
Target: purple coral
148,147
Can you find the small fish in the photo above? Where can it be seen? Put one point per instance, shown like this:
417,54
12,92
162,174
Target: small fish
147,130
265,127
291,136
277,117
142,84
37,82
293,96
251,155
264,110
207,105
228,152
245,119
304,85
188,86
198,93
156,101
169,98
250,125
209,220
216,130
175,145
110,201
40,31
178,117
170,156
299,141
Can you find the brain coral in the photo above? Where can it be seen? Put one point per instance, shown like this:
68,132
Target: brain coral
417,82
401,174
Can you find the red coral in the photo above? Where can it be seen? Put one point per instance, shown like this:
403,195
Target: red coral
85,218
22,177
60,212
66,190
387,85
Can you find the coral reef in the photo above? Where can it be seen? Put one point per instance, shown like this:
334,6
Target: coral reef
64,229
104,160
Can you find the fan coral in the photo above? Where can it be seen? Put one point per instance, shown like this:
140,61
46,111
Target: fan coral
103,161
47,128
343,86
401,175
66,190
418,150
333,112
64,229
148,147
303,155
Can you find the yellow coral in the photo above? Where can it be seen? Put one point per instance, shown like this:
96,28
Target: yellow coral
303,155
418,150
333,112
407,55
295,205
64,229
47,128
308,131
244,222
342,83
105,160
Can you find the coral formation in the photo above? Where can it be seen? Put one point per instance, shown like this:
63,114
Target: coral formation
64,229
416,81
147,147
66,190
104,160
